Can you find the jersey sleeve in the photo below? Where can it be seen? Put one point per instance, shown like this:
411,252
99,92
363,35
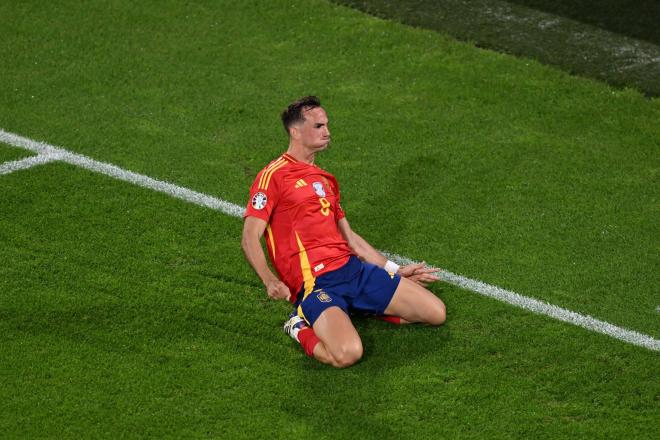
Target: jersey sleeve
264,195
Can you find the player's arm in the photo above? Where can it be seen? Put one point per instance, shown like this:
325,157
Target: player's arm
359,245
418,273
253,230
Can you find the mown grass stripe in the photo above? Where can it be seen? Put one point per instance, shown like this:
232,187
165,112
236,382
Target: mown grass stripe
507,296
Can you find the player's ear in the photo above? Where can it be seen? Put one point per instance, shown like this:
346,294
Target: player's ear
294,131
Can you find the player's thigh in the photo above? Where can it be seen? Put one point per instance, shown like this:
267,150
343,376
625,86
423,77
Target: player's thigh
335,329
415,303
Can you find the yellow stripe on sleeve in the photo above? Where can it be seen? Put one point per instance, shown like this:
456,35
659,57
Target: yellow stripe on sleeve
270,239
270,173
268,168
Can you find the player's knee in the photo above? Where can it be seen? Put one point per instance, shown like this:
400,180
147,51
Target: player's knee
348,354
438,314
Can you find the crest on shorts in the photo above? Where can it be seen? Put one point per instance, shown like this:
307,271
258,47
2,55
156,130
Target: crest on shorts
318,189
322,296
259,200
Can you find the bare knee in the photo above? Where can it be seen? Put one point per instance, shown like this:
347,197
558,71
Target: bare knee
438,314
348,354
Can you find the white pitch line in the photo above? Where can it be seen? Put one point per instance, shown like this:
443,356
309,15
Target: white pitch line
541,307
22,164
530,304
121,174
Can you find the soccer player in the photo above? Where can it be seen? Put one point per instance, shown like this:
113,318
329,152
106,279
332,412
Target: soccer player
324,268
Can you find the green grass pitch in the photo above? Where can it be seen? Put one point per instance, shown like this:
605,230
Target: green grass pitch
8,153
127,313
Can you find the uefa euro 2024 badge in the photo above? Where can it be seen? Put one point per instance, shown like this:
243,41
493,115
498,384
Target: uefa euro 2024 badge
259,200
318,188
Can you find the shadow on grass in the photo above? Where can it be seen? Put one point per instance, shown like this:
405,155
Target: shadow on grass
358,401
615,42
633,18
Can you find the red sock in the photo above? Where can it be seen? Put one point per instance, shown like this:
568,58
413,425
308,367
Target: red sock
308,340
390,318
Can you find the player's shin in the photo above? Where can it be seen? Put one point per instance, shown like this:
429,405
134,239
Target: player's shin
308,340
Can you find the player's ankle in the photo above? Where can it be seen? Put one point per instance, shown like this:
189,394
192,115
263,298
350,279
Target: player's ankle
308,340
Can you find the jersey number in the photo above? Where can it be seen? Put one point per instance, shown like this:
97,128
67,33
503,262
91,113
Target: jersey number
325,206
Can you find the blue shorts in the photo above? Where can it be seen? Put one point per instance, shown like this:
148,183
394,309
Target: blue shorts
356,286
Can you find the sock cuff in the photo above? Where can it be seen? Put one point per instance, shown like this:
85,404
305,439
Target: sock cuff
390,318
308,340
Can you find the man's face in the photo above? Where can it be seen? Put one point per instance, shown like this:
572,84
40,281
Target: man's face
314,132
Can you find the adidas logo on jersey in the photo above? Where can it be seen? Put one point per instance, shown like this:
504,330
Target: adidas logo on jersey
300,183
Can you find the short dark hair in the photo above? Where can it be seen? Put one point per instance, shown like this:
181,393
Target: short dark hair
294,113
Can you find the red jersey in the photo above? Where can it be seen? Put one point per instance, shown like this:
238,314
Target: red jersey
300,203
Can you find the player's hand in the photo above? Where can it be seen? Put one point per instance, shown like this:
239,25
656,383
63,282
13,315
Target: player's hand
277,290
419,273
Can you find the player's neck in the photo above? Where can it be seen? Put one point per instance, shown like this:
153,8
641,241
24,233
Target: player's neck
301,154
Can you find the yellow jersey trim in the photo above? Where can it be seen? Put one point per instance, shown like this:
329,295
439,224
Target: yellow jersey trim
271,172
270,239
308,278
267,171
